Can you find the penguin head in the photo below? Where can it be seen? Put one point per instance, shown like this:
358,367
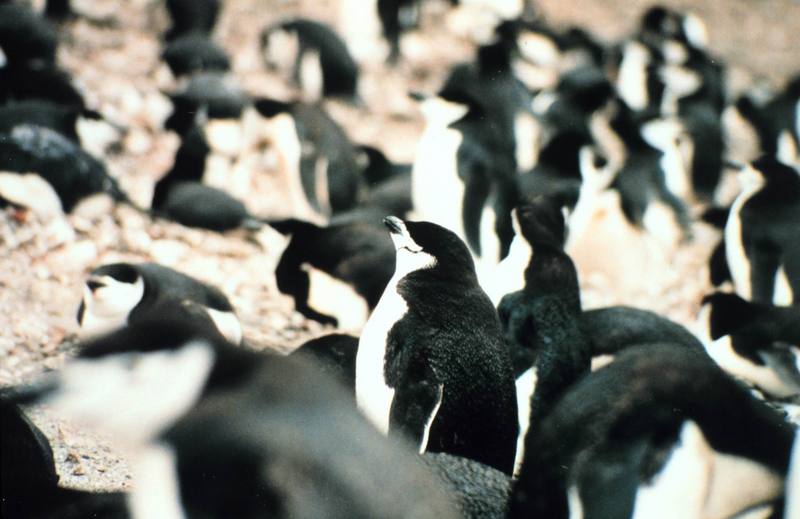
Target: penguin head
540,221
429,247
280,47
135,382
110,293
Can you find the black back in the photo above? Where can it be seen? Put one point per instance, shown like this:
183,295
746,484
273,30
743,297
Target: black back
73,173
770,234
339,69
357,252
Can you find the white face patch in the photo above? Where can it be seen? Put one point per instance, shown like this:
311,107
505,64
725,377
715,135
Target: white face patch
157,489
664,135
31,191
311,81
526,387
107,307
738,263
133,396
410,256
281,50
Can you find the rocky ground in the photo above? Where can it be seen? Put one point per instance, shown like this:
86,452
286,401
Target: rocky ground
42,266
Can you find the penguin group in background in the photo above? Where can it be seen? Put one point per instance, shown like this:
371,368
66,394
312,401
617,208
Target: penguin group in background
431,363
313,57
460,371
120,294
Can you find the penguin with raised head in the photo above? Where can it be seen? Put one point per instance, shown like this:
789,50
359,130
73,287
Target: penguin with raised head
431,363
313,57
762,238
119,294
336,273
662,428
44,169
216,430
756,342
541,321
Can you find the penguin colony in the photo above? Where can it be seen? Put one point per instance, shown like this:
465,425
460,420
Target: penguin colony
461,372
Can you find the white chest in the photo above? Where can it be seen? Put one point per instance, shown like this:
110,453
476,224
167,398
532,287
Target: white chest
509,275
373,395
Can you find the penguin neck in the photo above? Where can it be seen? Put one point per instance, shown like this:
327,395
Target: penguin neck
551,271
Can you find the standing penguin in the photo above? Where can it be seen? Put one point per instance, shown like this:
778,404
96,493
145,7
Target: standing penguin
431,361
121,293
314,56
762,235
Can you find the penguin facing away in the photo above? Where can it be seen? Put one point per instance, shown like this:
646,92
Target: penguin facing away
118,294
431,361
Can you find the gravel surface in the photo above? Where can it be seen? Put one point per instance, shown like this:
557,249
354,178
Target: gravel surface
42,266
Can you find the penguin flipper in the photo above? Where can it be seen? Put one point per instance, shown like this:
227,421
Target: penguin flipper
414,407
764,263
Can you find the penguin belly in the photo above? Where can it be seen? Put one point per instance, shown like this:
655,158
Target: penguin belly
373,395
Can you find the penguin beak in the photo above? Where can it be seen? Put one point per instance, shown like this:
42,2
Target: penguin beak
394,224
94,285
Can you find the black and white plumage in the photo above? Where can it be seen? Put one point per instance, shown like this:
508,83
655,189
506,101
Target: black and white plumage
313,57
762,238
660,428
317,160
756,342
219,430
29,483
71,172
194,52
388,183
356,253
431,363
119,294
